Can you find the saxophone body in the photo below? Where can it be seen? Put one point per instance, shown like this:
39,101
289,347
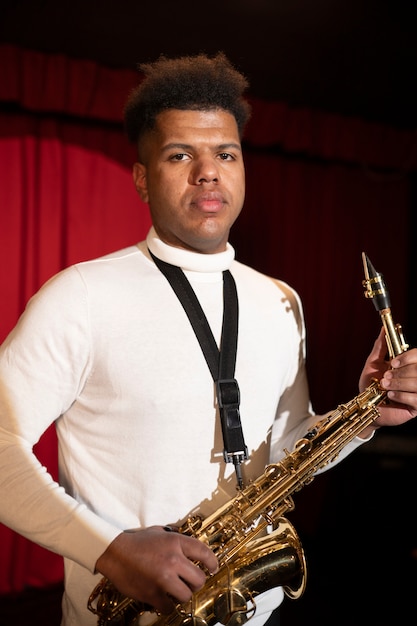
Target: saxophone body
256,546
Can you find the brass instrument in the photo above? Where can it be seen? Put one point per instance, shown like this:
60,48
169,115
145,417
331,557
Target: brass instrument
251,560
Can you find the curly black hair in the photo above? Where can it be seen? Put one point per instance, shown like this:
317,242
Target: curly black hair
189,82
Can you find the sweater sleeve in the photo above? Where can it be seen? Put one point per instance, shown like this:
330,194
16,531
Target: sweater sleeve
44,363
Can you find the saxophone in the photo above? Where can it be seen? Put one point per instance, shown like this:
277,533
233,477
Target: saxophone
256,546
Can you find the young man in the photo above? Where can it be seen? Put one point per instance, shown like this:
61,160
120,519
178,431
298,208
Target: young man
106,351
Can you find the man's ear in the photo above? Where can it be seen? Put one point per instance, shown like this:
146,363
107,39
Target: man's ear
139,178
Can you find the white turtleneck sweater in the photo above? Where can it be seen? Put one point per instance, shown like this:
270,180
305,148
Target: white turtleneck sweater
106,352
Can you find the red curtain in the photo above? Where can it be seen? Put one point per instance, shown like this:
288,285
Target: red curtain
320,190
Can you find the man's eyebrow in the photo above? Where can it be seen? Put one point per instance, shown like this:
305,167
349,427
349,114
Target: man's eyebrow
177,146
232,145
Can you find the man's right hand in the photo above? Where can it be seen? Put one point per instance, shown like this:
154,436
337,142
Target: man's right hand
157,567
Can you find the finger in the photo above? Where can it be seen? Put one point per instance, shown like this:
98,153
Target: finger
187,579
406,399
197,551
400,382
163,603
180,574
176,583
405,358
379,350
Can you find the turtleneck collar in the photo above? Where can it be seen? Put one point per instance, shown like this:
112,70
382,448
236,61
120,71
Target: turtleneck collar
187,260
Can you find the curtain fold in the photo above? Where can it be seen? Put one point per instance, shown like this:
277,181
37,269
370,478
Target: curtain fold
55,83
321,189
331,137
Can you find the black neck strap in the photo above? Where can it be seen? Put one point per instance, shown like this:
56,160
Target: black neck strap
220,362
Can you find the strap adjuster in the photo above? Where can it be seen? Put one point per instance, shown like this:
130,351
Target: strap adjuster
228,397
228,393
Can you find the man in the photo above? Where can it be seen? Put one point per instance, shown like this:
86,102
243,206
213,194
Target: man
106,351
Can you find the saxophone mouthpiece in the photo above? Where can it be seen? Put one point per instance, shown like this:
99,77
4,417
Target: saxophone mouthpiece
376,289
375,285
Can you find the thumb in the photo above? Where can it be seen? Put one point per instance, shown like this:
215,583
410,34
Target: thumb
375,364
379,351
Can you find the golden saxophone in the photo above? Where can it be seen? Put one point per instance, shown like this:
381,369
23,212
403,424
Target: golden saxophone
251,559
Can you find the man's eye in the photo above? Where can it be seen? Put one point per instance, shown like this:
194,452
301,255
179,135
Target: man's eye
225,156
179,157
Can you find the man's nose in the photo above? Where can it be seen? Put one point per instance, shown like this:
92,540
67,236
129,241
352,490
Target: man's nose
205,170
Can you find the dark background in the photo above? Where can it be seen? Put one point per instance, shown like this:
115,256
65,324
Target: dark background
357,58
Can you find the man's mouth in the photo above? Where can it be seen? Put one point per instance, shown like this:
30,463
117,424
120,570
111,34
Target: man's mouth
209,202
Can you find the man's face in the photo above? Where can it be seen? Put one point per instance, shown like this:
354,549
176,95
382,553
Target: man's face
192,176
